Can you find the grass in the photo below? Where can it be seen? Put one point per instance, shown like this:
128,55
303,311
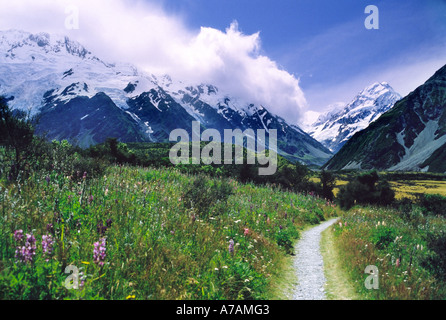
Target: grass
157,247
407,248
337,286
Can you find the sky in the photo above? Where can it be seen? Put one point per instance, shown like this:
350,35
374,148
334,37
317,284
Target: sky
296,57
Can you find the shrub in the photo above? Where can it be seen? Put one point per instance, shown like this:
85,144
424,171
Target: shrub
366,189
433,204
206,193
383,236
436,260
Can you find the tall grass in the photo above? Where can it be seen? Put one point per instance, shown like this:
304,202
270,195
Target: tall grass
407,248
158,243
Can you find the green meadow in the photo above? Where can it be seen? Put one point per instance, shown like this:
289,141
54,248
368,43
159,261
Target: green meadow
160,241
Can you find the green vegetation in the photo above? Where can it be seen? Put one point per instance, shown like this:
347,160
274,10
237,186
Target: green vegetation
137,227
407,248
136,230
366,188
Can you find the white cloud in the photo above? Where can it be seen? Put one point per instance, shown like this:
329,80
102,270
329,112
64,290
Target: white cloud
143,34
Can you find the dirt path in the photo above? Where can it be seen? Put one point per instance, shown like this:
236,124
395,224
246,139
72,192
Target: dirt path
309,264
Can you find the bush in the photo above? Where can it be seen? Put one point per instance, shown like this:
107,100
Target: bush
436,261
383,236
205,194
366,189
283,240
433,204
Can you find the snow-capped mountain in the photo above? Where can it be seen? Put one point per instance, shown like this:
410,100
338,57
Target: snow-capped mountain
336,127
409,137
84,99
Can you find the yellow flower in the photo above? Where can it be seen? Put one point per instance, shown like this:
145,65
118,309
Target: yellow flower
130,297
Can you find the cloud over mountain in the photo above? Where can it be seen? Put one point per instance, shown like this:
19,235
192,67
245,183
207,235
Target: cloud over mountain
161,43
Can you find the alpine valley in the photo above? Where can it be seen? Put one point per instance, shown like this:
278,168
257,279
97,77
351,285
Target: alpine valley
83,99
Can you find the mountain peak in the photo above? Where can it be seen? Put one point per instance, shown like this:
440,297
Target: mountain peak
410,137
13,42
336,127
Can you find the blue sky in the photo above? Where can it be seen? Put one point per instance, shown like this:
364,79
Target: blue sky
325,44
295,57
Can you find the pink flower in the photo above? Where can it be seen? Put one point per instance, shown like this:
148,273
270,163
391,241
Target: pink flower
99,252
246,232
397,262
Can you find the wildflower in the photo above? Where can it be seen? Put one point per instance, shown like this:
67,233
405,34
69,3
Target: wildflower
106,192
397,262
90,199
101,229
47,246
47,178
246,232
84,176
172,232
99,252
231,247
26,252
50,228
18,235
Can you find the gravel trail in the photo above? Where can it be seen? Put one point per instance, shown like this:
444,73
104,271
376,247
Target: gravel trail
309,264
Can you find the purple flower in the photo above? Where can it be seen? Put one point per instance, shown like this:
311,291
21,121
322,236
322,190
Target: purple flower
18,235
99,252
25,252
101,228
47,246
47,178
231,247
50,228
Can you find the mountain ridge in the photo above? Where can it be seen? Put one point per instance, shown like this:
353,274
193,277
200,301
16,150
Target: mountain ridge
409,137
334,128
60,79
